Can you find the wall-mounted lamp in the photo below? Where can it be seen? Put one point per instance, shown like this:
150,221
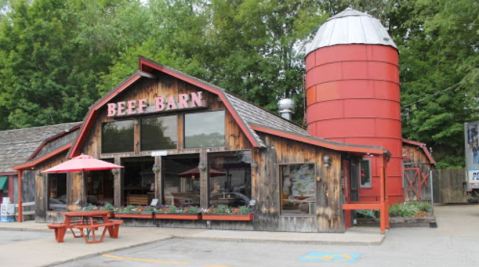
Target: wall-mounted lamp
326,161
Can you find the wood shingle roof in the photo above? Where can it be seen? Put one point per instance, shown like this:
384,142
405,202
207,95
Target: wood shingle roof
17,145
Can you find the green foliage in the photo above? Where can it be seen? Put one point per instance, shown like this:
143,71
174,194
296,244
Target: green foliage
243,210
367,214
58,57
225,210
108,206
172,209
409,209
192,210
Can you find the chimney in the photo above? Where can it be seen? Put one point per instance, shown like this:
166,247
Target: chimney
286,107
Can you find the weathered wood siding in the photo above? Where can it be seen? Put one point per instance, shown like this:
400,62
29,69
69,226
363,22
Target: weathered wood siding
164,86
266,186
414,154
41,186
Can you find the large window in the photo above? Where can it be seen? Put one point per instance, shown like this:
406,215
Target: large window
298,189
365,173
181,180
159,133
205,129
117,136
229,175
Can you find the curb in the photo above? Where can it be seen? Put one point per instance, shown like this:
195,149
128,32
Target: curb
299,242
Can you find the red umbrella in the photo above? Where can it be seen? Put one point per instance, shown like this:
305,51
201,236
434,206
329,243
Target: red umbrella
83,163
196,172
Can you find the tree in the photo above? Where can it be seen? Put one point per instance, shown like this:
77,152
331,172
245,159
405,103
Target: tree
53,53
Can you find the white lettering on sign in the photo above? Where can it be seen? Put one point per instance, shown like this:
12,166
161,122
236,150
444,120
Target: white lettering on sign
161,103
159,153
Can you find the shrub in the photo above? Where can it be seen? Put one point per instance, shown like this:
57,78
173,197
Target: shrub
409,209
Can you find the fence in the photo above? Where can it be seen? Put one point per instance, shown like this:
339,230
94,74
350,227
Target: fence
28,210
448,185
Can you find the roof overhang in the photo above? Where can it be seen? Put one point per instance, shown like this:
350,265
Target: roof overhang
343,147
33,163
423,147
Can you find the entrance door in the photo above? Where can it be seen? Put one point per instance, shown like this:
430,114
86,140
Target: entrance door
354,180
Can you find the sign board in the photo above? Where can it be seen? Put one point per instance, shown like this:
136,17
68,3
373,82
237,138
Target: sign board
159,153
471,135
158,104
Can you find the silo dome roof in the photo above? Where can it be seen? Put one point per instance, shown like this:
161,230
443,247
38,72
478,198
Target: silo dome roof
350,27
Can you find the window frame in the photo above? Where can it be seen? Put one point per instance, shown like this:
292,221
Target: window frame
225,152
370,184
201,147
102,137
280,180
140,120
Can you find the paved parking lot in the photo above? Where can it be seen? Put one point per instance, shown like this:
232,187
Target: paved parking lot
7,237
454,243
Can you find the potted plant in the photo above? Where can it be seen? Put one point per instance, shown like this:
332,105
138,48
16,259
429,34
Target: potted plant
135,212
225,213
109,207
175,213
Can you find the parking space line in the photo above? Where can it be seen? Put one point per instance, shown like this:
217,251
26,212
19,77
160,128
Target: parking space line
145,260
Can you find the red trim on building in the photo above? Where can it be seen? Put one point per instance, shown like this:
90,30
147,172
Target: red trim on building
43,158
91,112
52,138
318,142
423,147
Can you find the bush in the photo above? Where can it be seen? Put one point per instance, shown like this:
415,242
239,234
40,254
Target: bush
409,209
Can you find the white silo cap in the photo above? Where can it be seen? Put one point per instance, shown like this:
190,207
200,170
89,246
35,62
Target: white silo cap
350,27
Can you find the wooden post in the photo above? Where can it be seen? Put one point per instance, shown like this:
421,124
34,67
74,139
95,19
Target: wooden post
117,188
20,196
203,168
158,179
386,197
382,196
83,193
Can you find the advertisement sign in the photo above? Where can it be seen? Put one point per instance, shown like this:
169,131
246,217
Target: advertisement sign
471,132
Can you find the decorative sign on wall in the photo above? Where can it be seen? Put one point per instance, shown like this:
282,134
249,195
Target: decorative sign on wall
159,104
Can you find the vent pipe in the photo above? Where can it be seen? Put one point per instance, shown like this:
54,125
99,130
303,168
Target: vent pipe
286,107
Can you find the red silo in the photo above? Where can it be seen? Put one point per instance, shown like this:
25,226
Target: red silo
352,91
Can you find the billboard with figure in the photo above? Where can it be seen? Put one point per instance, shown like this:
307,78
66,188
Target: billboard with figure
471,131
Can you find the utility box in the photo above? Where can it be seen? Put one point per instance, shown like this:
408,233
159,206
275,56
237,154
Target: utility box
7,211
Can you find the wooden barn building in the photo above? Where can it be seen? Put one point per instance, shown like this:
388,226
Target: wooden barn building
185,142
189,143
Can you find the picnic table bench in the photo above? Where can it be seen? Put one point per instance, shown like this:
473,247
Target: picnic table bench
86,223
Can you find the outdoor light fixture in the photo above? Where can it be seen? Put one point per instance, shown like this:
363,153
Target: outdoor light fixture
326,161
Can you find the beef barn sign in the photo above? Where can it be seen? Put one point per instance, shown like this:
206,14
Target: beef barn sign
159,104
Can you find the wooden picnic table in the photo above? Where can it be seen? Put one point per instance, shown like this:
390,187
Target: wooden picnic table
86,223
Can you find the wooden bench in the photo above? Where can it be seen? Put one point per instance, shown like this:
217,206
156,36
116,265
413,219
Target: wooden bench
59,229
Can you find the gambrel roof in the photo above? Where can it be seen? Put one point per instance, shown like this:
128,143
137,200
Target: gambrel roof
250,118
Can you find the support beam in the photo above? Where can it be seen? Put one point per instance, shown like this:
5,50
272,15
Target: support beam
203,168
158,179
20,196
117,188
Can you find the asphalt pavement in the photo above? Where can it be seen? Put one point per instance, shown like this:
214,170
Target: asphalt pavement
453,243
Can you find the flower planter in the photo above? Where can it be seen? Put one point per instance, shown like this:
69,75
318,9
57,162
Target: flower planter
228,217
133,216
170,216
